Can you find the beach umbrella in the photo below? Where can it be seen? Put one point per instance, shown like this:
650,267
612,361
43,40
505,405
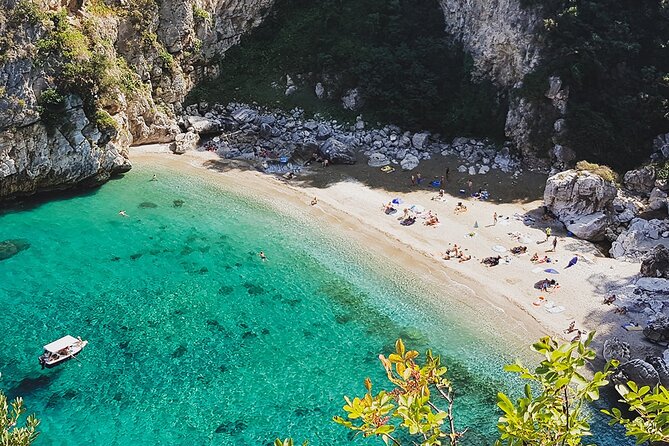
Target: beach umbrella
572,262
397,201
476,224
552,271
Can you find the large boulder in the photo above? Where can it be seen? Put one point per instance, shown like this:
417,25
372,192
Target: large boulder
337,152
654,285
661,367
203,126
184,142
641,372
572,194
409,162
419,139
640,180
616,349
656,263
352,100
378,160
657,199
657,330
638,239
589,227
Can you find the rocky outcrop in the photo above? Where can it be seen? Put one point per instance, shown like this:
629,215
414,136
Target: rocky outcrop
582,201
502,37
639,238
124,69
656,263
640,180
35,158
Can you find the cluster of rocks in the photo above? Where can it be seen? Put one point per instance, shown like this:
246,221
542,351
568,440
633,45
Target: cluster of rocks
631,215
241,131
646,299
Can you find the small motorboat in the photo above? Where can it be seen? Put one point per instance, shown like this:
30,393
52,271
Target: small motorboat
61,350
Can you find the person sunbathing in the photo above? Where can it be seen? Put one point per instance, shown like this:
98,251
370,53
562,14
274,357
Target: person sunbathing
408,221
571,328
491,261
389,208
519,250
460,208
432,221
620,310
446,256
535,257
609,299
464,258
439,196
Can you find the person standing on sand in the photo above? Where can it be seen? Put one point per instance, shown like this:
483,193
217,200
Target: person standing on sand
469,185
554,243
418,179
548,233
494,219
441,182
413,180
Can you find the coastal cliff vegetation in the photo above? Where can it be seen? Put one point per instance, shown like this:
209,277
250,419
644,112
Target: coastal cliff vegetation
613,56
408,70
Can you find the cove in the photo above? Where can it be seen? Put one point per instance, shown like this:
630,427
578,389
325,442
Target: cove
194,339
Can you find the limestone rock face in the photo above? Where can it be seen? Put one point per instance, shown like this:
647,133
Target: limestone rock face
158,51
639,238
582,201
184,142
614,348
502,37
640,180
34,159
656,263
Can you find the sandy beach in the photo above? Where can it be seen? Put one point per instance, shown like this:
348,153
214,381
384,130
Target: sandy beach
356,207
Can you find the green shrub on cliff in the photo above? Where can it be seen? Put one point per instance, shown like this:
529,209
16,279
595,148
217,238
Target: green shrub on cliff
396,52
603,171
613,57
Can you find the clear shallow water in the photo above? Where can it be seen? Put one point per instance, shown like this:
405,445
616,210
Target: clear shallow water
194,340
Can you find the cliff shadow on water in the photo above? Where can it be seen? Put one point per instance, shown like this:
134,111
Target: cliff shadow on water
395,55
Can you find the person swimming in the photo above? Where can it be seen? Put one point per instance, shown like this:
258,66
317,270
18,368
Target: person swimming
262,255
122,213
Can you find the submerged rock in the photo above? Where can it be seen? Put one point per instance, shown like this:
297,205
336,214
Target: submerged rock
9,248
147,205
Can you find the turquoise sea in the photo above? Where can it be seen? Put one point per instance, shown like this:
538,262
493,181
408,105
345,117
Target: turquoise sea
195,340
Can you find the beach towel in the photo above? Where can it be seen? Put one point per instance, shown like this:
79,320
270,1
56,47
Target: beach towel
418,209
572,262
632,327
499,248
551,271
552,308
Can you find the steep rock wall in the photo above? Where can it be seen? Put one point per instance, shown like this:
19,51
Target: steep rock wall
82,80
501,36
505,41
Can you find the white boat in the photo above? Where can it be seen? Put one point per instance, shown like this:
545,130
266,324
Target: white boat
61,350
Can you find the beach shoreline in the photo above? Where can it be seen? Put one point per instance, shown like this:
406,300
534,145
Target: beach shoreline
356,209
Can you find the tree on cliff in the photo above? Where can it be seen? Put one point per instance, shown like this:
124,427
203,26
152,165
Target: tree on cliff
10,433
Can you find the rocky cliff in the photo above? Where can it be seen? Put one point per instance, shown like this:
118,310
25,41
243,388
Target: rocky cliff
506,40
501,36
82,80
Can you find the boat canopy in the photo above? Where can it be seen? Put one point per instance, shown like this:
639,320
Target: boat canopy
60,344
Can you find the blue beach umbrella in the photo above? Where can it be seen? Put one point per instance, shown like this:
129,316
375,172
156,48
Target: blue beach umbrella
552,271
